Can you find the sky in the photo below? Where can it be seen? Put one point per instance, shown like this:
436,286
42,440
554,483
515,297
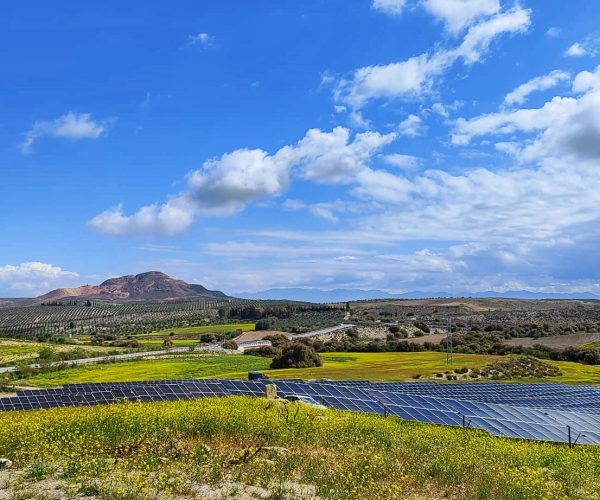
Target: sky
401,145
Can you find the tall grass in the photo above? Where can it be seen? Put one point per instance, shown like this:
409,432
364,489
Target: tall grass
135,450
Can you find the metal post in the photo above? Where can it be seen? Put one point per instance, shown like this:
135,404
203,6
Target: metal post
385,411
449,341
569,431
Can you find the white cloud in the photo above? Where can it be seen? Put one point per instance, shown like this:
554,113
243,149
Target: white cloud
406,162
34,277
565,126
293,205
520,94
576,50
203,40
154,220
458,14
553,32
391,7
324,213
227,184
415,76
586,81
69,126
412,126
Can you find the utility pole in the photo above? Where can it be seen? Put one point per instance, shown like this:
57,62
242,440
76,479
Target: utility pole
449,342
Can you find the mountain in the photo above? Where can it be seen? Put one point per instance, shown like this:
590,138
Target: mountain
150,286
350,294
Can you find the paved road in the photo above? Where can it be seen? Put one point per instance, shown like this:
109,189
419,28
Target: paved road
324,331
121,357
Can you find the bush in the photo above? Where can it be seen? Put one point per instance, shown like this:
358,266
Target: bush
297,355
277,339
422,326
230,344
264,352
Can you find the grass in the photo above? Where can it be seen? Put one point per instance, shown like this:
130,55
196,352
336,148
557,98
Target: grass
190,330
177,366
343,366
383,365
12,351
288,450
158,343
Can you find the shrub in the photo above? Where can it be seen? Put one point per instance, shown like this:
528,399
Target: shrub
230,344
297,355
264,352
422,326
277,339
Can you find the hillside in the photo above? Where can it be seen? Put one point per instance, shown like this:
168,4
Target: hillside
150,286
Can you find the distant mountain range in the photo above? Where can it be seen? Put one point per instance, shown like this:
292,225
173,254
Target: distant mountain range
350,294
157,286
150,286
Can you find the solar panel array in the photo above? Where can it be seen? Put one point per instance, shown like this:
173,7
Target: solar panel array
547,412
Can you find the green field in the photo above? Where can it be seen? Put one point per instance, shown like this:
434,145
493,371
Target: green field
177,366
220,448
192,330
158,343
348,366
13,351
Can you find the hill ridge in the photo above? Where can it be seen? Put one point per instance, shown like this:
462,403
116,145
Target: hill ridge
147,286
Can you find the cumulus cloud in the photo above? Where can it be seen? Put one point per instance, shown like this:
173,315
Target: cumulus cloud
412,126
391,7
458,14
69,126
415,76
522,92
407,162
34,277
564,126
576,50
227,184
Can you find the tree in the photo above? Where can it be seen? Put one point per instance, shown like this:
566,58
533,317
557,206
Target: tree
297,355
230,344
207,337
277,339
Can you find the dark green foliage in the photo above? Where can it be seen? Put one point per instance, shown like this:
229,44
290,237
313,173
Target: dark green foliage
297,355
277,340
264,352
230,344
422,326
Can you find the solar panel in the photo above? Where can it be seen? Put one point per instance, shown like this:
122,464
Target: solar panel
547,412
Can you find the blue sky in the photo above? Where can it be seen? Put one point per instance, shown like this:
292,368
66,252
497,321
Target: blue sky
436,145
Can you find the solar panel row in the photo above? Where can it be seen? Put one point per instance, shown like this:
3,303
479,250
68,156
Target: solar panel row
549,412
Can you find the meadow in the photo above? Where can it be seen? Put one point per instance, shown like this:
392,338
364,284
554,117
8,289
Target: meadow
230,447
14,351
198,330
344,366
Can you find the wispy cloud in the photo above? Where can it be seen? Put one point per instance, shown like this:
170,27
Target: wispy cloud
415,76
202,40
69,126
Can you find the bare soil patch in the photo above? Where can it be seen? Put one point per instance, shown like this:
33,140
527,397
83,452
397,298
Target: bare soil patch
259,335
